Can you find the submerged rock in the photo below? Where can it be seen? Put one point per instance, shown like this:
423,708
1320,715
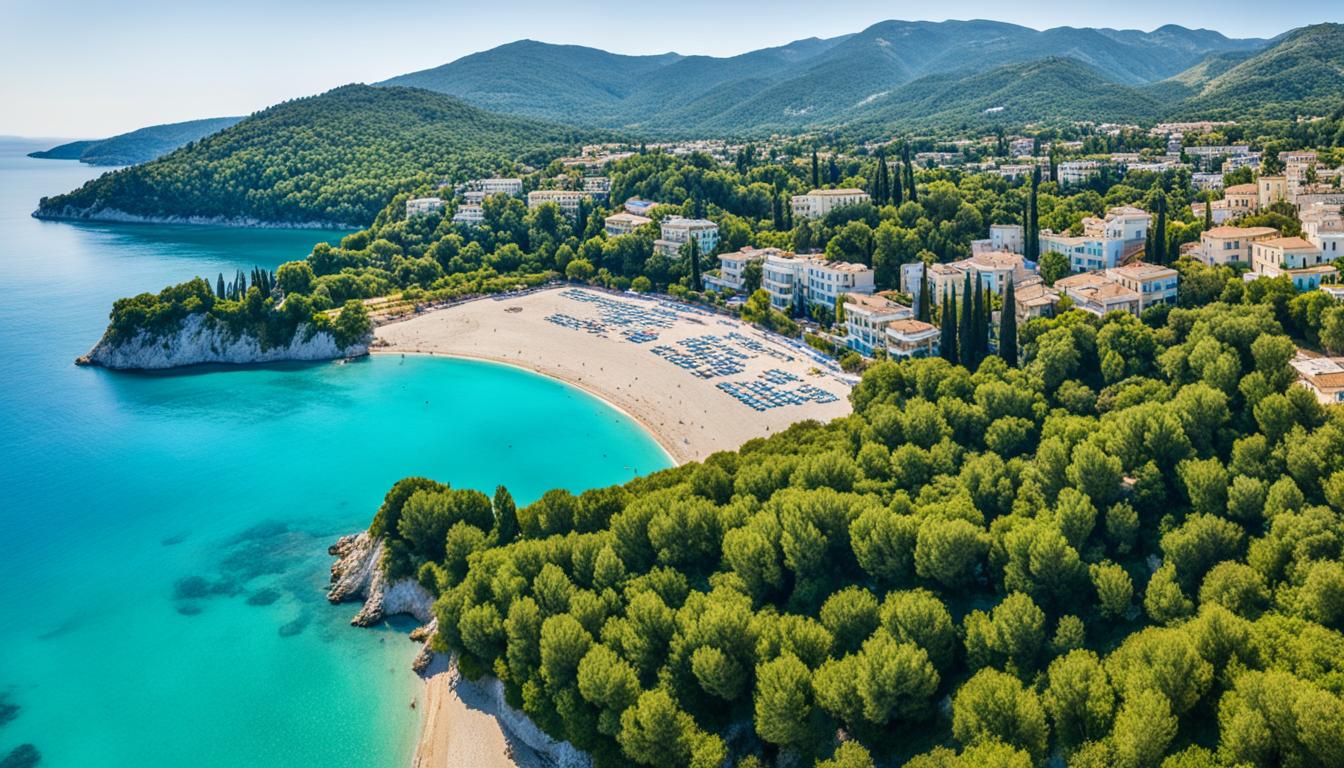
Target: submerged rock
23,756
263,597
201,339
8,710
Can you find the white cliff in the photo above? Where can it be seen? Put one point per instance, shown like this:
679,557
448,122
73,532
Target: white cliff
202,339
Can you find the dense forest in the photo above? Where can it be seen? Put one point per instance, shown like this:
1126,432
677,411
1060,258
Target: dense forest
138,146
334,159
1112,564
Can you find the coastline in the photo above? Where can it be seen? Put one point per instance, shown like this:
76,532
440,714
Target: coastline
114,216
688,415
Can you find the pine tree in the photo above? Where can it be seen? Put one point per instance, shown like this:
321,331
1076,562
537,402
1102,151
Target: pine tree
925,311
966,334
816,171
1008,327
506,516
948,340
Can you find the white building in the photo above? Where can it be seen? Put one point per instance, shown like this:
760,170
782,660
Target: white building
1096,293
1207,180
732,268
1074,172
1323,226
568,199
802,281
625,223
469,214
1105,243
1225,245
499,186
1294,257
597,187
912,338
678,230
1006,238
819,202
420,206
866,319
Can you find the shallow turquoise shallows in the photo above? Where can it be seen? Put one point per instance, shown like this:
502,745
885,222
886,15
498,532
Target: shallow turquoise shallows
164,550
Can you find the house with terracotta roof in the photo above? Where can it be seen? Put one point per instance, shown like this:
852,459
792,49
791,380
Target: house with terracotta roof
1096,293
1323,376
1224,245
1154,283
1034,298
1295,257
912,338
866,320
1242,199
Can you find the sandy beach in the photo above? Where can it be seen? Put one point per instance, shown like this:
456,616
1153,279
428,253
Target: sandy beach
586,342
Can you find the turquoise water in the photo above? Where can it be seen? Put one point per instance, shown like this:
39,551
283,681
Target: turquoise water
164,548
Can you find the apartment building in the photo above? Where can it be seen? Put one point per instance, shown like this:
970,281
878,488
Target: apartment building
597,187
1298,167
866,320
421,206
1294,257
1075,172
1153,283
732,268
487,187
1242,199
640,207
1322,376
678,230
1323,226
469,214
912,338
1105,243
1224,245
1096,293
1207,181
1270,190
1006,238
819,202
801,281
623,223
568,200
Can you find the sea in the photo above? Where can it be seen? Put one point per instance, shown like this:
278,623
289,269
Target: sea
163,537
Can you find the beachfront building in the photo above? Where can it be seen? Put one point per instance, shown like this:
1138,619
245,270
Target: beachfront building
597,187
802,281
624,223
1105,243
866,320
1242,199
1033,298
1224,245
782,276
678,230
1096,293
1153,283
819,202
1294,257
421,206
733,267
469,214
912,338
569,200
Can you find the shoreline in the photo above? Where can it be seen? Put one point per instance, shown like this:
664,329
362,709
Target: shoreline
113,216
666,382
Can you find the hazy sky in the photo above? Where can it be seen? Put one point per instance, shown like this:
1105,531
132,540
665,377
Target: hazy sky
92,69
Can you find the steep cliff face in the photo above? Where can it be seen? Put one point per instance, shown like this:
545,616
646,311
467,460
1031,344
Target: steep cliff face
357,575
202,340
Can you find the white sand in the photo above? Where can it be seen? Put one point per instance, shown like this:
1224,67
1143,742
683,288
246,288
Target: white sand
688,415
458,728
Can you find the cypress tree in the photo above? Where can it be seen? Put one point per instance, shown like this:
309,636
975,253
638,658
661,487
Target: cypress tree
832,172
883,181
1208,212
1035,215
1160,238
693,253
1008,327
978,322
506,516
816,171
986,317
778,213
909,175
925,311
896,197
948,340
966,335
219,287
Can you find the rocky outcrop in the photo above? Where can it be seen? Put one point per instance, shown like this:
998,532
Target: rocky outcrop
201,339
356,575
71,213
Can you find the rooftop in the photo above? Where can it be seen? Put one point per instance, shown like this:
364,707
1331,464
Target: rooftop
1288,244
874,303
1225,232
1142,270
1241,189
837,192
910,327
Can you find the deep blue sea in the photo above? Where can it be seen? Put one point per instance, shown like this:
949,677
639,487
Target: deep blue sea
163,557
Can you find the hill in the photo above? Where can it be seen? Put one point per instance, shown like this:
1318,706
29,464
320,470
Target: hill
1301,74
330,159
804,84
139,146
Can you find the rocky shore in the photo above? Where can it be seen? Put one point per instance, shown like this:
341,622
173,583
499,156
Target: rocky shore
201,340
465,723
114,216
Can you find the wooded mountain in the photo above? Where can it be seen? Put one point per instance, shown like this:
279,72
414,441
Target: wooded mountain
813,82
137,146
331,159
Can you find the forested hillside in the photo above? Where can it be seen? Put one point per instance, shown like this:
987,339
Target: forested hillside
1126,549
139,146
335,159
809,82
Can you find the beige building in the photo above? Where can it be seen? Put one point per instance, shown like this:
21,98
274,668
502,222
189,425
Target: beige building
1096,293
819,202
912,338
1242,199
1270,190
421,206
1294,257
1224,245
1034,299
623,223
1153,283
1322,376
866,320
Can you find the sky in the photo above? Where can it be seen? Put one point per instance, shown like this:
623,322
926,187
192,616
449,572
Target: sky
94,69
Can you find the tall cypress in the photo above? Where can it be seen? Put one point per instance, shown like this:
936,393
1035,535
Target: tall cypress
219,286
925,297
1035,212
982,327
909,175
1160,238
977,322
1008,327
778,213
816,171
966,335
1208,212
832,171
948,341
693,253
883,180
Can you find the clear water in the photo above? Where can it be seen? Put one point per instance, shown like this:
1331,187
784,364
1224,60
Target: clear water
123,497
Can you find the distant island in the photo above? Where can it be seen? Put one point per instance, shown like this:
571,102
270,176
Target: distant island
139,146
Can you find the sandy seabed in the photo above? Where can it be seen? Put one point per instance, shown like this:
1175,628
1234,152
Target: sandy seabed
688,415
